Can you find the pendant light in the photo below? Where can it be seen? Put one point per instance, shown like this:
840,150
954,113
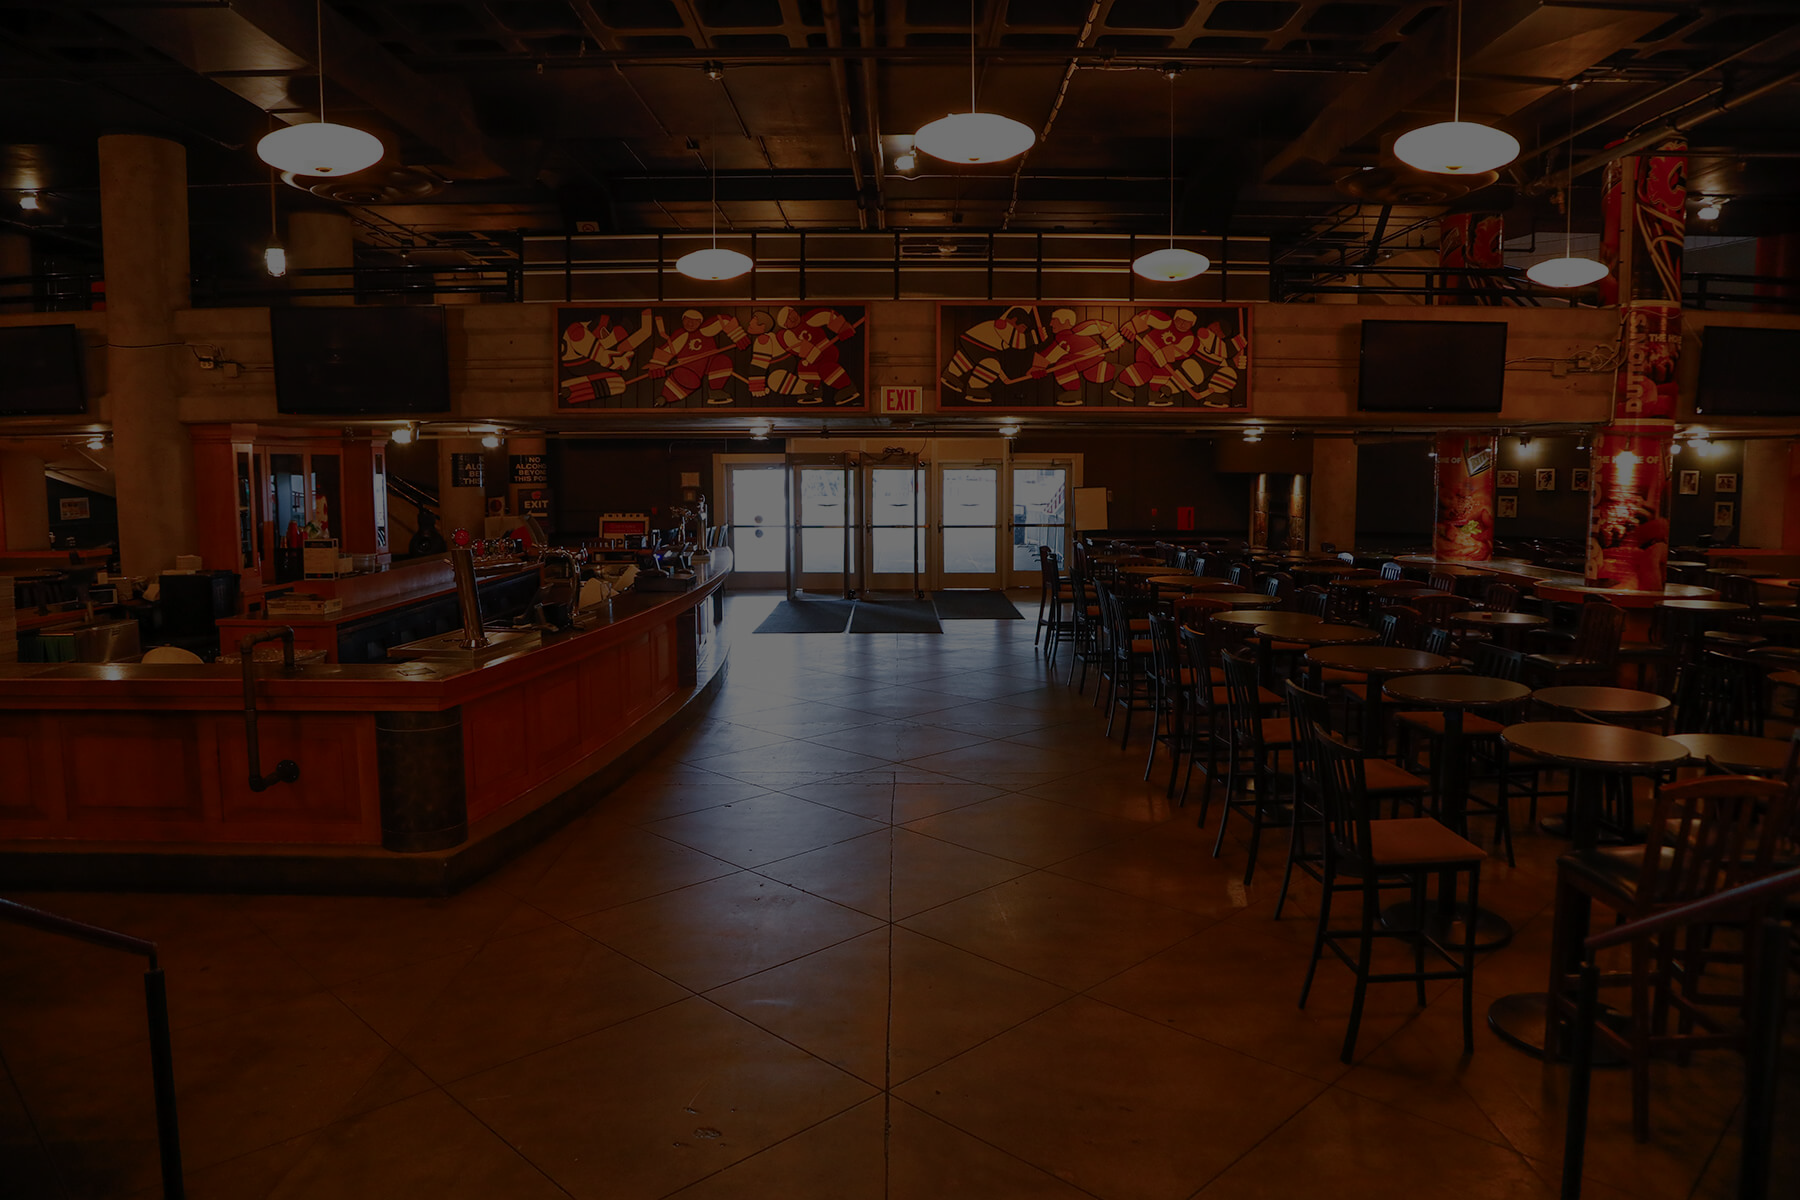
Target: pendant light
1571,270
274,254
1456,146
320,148
974,137
715,262
1170,264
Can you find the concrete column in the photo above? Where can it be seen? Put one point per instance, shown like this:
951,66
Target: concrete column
144,235
1333,493
317,240
24,502
15,260
459,507
1765,477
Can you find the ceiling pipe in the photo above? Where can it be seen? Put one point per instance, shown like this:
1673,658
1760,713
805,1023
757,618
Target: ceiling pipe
1062,93
1649,138
865,26
840,83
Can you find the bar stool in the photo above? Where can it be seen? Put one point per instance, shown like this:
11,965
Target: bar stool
1369,856
1254,756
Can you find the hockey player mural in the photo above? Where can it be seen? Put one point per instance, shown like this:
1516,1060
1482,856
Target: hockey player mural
1093,356
712,357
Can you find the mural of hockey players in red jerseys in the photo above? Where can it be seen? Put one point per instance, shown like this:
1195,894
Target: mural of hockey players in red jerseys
743,357
1139,357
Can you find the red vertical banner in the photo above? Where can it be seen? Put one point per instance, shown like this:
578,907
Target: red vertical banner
1644,201
1470,240
1628,542
1464,529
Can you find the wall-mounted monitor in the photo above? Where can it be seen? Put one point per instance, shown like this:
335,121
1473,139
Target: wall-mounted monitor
41,371
1748,372
1432,366
360,361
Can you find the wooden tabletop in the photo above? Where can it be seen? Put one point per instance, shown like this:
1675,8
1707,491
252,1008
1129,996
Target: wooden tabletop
1582,744
1380,660
1455,691
1407,591
1737,752
1711,606
1499,618
1786,678
1603,701
1145,569
1315,635
1257,619
1361,581
1193,583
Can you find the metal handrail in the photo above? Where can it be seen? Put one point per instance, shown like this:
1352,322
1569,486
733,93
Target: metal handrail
1765,1004
156,1007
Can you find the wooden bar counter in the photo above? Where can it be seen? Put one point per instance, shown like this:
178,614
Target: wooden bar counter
413,776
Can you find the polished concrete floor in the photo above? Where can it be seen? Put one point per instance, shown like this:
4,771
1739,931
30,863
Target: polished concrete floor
893,920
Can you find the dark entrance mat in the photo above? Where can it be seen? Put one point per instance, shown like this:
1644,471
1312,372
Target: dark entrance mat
975,605
895,616
808,616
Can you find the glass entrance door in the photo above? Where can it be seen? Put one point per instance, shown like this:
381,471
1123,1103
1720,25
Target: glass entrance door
970,524
759,524
824,505
897,517
1040,516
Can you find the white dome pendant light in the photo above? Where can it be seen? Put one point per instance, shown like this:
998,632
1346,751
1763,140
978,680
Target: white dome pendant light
320,148
714,262
1456,146
1170,264
974,137
1571,270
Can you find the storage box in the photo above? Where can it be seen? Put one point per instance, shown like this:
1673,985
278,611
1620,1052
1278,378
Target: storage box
320,558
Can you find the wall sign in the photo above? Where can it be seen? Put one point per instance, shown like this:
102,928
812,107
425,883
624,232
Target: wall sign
529,468
1129,357
713,357
72,508
535,502
465,471
901,401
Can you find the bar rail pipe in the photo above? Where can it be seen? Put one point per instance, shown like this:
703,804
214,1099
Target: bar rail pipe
156,1009
287,770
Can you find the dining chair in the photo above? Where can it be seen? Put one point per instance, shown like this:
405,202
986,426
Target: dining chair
1256,763
1592,658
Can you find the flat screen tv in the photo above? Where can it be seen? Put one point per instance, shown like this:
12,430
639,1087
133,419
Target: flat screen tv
40,371
1432,366
1748,372
360,361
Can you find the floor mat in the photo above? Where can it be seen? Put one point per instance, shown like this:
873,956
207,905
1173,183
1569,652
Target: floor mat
808,616
975,605
895,616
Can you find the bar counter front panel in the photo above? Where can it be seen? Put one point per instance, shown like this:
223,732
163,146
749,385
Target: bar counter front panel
411,756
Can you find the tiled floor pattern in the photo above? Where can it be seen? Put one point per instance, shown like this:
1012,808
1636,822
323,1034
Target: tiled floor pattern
892,920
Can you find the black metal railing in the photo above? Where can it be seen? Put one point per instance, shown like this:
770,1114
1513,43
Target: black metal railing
1289,282
1710,289
1765,1008
156,1006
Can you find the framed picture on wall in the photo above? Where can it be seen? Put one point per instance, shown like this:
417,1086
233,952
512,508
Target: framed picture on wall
714,358
1724,513
1725,483
1506,479
1690,483
1578,479
1546,479
73,508
1508,506
1121,357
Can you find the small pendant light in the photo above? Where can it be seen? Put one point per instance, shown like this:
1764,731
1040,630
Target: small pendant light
715,262
274,254
320,148
1171,263
974,137
1456,146
1571,270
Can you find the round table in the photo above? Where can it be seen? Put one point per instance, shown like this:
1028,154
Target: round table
1412,591
1379,663
1606,702
1322,634
1144,569
1453,694
1508,627
1737,752
1521,1019
1245,600
1190,583
1696,616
